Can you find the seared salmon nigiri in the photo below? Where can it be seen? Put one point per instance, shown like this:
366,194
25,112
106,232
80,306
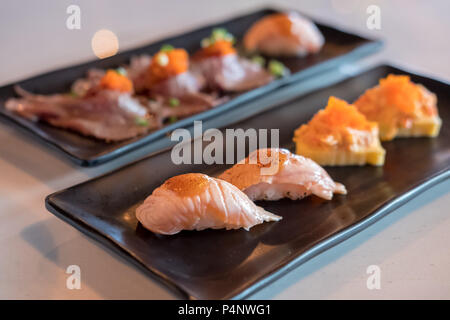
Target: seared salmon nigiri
284,34
272,174
195,201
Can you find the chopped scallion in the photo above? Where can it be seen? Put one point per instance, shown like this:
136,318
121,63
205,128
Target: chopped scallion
173,119
174,102
205,43
219,33
216,35
277,69
121,71
141,121
259,60
167,47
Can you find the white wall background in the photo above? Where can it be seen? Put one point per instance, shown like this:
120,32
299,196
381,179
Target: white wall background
34,37
410,245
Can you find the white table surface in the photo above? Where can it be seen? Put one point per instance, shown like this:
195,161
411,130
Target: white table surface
411,245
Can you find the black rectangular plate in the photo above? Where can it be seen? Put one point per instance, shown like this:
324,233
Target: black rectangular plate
219,264
340,47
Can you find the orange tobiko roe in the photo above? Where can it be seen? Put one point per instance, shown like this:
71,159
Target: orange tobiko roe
400,92
219,48
177,62
114,81
338,124
396,100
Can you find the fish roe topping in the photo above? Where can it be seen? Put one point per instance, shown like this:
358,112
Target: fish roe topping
218,49
340,125
395,103
340,114
400,92
115,80
168,62
187,185
397,92
219,44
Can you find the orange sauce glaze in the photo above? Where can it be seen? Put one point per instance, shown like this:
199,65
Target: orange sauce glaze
187,185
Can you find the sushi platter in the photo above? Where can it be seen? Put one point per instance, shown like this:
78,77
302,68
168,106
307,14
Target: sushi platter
224,231
324,149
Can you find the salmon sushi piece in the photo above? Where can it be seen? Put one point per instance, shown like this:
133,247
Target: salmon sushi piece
284,34
273,174
195,201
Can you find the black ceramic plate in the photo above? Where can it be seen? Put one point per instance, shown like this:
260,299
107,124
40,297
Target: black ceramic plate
232,264
340,47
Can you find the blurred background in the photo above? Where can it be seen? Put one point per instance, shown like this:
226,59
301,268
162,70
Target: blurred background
35,38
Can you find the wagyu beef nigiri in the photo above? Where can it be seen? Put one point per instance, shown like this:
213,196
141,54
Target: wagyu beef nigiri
106,111
167,109
223,69
168,74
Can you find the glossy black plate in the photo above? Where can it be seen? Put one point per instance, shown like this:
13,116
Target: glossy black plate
340,47
219,264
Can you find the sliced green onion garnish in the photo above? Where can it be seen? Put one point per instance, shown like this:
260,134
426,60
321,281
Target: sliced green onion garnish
121,71
217,34
167,47
259,60
141,121
277,69
73,94
174,102
173,119
230,37
205,43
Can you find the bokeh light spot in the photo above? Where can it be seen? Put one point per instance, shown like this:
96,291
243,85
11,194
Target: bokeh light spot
105,43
